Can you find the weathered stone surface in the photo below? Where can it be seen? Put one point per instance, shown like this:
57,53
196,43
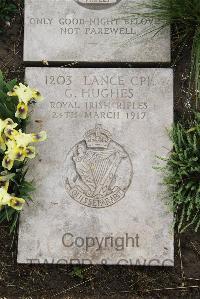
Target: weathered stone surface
70,30
98,197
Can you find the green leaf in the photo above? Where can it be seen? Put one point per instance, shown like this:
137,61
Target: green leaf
181,174
10,85
77,272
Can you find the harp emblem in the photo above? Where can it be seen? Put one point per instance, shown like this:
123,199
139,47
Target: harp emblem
95,177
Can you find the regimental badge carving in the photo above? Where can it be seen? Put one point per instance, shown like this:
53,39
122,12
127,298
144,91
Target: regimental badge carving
97,4
99,170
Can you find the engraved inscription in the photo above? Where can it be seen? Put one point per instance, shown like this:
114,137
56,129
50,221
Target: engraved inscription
100,97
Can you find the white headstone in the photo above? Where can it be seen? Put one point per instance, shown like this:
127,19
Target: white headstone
92,31
99,198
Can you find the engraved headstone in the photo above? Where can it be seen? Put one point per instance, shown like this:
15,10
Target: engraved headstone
92,31
99,198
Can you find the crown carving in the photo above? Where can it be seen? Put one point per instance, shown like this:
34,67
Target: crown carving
98,137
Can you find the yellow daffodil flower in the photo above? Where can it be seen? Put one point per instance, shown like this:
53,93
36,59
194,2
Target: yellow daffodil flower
7,199
29,152
16,203
3,125
12,153
4,197
22,111
39,137
4,180
24,140
18,147
11,201
25,94
7,163
10,133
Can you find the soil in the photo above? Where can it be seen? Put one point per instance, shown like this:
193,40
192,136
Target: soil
56,281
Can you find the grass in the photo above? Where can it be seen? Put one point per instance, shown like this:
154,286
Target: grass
182,168
182,174
184,17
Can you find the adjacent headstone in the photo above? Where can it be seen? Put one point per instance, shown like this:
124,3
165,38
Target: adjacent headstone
92,31
98,197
